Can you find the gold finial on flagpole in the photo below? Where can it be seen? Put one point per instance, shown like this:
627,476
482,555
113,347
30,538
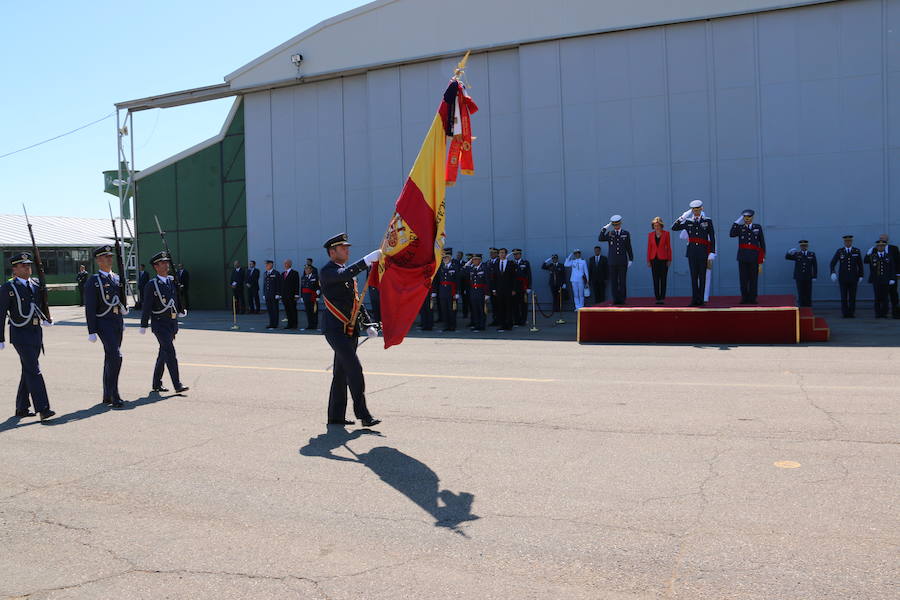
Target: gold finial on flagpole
461,67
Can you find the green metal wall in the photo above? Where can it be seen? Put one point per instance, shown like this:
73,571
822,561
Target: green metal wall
201,203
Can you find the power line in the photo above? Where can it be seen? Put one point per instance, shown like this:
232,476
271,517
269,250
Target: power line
56,137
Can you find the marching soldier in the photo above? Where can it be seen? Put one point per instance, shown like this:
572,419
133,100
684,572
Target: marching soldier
882,275
160,312
80,278
448,277
751,254
557,280
523,277
479,288
104,312
701,247
20,298
252,283
272,293
344,318
620,256
806,270
849,274
309,293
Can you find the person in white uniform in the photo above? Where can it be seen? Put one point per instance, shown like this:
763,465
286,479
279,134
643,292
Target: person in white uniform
578,277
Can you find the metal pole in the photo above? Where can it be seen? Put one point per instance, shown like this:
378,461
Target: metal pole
533,314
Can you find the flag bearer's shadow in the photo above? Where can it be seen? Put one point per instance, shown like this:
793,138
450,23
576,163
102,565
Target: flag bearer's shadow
412,478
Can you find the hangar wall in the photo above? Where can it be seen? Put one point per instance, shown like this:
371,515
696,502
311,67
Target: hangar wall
795,113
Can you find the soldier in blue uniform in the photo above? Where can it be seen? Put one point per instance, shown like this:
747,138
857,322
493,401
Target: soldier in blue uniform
751,254
478,280
20,299
448,278
342,321
849,275
272,293
523,277
464,283
701,247
80,278
882,275
160,312
806,270
620,256
309,293
557,280
104,312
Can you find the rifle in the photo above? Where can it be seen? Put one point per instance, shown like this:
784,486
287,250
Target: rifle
123,297
172,262
42,278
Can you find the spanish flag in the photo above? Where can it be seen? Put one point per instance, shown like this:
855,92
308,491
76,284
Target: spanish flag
414,240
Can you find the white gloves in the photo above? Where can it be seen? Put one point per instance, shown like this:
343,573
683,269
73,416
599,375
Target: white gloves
46,324
373,256
563,286
792,251
891,282
278,297
457,296
233,284
182,314
318,292
860,280
834,276
629,263
92,337
869,251
434,295
608,225
142,330
297,297
712,256
527,291
548,261
739,220
372,332
685,215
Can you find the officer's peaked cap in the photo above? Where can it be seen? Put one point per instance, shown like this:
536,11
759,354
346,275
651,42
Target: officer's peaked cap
748,213
803,242
160,257
338,240
104,251
22,258
696,204
615,218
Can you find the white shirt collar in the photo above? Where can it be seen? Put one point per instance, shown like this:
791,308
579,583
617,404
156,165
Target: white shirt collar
23,281
163,279
107,273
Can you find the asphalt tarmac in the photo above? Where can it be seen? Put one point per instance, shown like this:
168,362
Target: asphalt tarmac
516,465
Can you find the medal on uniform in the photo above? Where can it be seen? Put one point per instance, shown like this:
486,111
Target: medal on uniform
115,310
172,314
34,321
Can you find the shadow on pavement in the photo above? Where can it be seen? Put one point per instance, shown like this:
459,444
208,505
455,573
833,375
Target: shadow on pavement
78,415
409,476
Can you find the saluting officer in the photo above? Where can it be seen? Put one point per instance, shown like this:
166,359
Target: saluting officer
806,270
272,293
751,254
620,256
342,321
557,280
309,292
448,277
160,312
19,298
523,277
882,275
701,247
849,274
104,312
479,288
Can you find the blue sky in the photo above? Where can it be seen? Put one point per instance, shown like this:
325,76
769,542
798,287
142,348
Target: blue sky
66,63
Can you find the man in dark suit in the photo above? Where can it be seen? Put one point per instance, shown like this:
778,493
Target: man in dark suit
184,286
620,256
848,260
290,293
523,278
504,290
342,322
252,283
238,279
272,293
143,279
598,273
882,275
806,270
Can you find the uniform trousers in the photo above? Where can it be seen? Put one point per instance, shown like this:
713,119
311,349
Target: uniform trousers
504,305
659,270
804,292
749,274
290,311
347,373
895,300
577,293
312,313
446,301
598,290
166,358
848,298
253,299
31,383
882,299
427,314
476,305
618,276
110,333
272,309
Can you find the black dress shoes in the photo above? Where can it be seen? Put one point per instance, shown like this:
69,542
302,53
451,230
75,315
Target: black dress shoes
21,414
370,422
181,388
159,388
116,404
47,414
341,422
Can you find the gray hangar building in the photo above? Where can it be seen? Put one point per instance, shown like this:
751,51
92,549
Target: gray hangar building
587,108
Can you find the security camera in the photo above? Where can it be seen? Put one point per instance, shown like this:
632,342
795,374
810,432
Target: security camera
297,59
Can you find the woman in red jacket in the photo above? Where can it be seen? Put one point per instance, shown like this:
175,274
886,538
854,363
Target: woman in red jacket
659,257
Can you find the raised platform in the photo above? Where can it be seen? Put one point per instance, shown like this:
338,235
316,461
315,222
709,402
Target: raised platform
775,320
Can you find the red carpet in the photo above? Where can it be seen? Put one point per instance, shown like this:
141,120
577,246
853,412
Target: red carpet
775,320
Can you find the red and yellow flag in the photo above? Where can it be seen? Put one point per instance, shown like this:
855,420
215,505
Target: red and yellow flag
414,240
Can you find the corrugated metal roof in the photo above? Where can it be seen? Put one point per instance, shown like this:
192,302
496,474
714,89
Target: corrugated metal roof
75,232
